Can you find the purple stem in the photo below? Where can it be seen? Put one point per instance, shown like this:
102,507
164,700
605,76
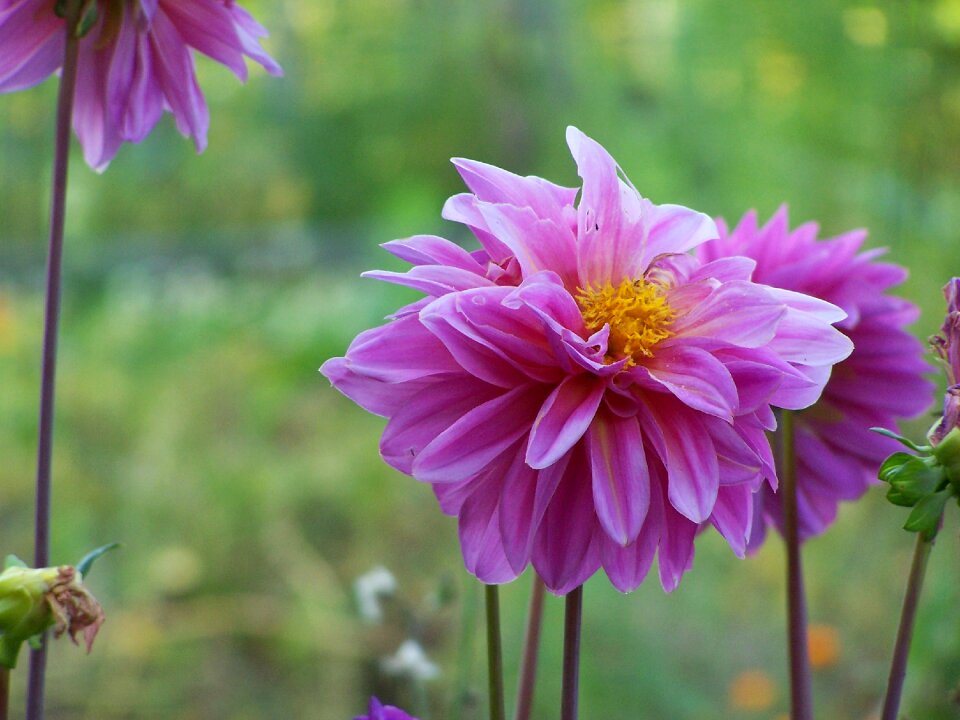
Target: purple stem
531,651
801,702
571,654
494,654
898,668
4,693
68,82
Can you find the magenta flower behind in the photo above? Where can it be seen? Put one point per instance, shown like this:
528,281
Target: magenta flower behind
880,383
581,391
379,711
135,63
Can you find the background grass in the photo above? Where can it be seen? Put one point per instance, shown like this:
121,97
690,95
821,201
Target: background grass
204,292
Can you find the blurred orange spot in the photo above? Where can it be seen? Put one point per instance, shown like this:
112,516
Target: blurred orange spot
752,690
8,326
823,642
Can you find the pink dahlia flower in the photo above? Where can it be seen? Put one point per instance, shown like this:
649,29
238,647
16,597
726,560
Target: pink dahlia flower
379,711
581,392
878,385
135,63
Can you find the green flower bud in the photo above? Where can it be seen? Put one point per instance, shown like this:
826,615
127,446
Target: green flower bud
33,600
947,453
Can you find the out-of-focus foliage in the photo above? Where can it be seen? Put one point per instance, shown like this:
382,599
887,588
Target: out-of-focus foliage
202,293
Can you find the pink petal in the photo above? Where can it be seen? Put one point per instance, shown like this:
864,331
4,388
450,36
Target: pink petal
481,435
693,376
479,528
621,483
563,419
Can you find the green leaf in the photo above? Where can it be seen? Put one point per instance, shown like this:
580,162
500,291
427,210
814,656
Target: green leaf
902,440
892,465
925,517
911,481
83,567
13,561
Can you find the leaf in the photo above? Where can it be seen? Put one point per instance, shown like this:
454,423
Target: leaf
13,561
83,567
925,517
902,440
893,464
911,481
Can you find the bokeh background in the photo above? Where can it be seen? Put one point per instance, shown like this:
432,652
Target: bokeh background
202,294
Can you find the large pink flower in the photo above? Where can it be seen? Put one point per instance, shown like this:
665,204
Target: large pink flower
135,63
878,385
582,392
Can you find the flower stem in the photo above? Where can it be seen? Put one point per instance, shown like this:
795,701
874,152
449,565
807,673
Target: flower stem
4,693
494,654
531,651
68,82
898,668
800,685
571,654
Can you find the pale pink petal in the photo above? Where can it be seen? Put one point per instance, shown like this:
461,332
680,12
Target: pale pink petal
564,418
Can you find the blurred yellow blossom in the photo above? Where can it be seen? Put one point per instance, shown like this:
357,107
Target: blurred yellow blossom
752,690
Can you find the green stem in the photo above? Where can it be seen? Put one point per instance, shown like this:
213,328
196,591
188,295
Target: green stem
800,682
68,83
531,651
898,667
494,654
573,613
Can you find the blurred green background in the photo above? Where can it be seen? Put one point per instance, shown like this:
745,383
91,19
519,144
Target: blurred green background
202,294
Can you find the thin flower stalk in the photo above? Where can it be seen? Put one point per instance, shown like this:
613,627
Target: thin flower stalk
908,616
800,684
531,651
571,654
494,654
68,81
4,693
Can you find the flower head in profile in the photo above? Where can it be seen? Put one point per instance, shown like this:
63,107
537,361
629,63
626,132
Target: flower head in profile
582,392
378,711
135,62
947,346
880,383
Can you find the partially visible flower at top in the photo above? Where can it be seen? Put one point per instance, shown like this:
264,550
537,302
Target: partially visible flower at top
411,661
379,711
582,392
880,383
32,600
370,588
947,346
134,63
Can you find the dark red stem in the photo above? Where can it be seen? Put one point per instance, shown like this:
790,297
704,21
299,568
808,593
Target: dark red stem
531,651
571,654
68,82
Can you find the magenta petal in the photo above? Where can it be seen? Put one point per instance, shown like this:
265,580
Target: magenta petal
434,280
676,229
628,566
424,416
564,418
675,555
803,339
469,444
695,377
433,250
693,473
32,39
524,498
479,528
494,185
398,351
566,552
737,312
375,396
733,516
621,482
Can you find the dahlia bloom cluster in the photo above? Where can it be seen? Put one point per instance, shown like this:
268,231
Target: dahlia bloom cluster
582,392
879,384
134,63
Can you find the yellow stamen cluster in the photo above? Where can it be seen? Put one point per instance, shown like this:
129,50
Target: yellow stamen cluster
638,314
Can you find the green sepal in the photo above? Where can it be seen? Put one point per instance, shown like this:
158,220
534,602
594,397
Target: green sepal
925,517
83,567
35,641
9,650
910,478
88,20
901,439
13,561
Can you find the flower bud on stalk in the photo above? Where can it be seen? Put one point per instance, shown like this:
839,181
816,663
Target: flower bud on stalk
33,600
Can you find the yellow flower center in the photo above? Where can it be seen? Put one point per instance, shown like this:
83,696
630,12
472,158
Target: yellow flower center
637,312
